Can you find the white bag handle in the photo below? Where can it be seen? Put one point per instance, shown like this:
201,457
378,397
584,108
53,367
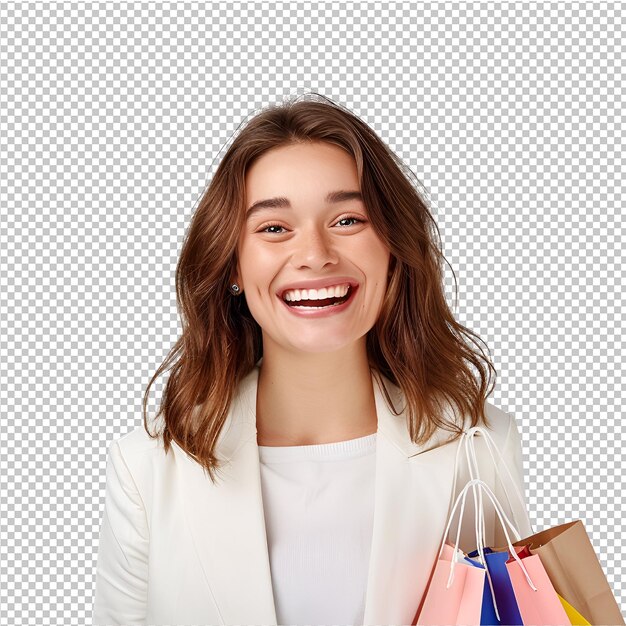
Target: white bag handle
476,482
468,439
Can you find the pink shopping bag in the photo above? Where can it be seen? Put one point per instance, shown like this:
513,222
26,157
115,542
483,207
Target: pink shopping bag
459,604
536,607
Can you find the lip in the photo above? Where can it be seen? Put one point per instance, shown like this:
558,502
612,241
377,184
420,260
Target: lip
332,310
319,283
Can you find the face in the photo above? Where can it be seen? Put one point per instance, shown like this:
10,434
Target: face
312,238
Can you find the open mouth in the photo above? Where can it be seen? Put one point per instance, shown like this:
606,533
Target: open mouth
325,303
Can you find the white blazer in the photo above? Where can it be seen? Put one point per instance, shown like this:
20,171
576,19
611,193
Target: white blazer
176,549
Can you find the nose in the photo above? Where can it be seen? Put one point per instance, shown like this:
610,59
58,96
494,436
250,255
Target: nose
313,250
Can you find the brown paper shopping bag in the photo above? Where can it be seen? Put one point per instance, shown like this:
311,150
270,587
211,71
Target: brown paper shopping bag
575,571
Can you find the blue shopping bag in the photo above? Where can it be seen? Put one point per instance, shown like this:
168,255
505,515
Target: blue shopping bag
502,588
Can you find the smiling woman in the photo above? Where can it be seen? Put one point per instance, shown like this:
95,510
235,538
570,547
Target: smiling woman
320,371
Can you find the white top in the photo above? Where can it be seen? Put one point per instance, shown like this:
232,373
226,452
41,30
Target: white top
319,512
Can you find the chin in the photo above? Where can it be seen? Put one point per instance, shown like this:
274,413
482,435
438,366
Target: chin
317,346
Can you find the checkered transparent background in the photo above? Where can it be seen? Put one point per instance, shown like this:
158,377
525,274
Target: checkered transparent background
111,117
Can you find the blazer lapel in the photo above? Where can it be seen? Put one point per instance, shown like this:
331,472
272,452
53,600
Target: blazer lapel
412,493
227,522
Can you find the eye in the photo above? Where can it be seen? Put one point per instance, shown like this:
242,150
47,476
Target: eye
264,228
356,219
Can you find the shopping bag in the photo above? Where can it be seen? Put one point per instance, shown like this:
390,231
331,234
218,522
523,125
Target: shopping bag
568,558
505,595
458,604
501,586
575,571
536,598
536,607
454,601
503,591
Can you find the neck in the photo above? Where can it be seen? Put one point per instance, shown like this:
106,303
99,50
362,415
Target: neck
314,398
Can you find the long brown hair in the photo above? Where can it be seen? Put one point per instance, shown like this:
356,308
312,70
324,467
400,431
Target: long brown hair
416,342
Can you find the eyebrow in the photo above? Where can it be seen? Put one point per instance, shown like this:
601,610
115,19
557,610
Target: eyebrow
281,202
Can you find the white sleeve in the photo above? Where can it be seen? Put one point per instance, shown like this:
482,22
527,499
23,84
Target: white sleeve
122,567
512,456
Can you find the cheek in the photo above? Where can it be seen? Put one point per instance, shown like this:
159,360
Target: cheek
377,255
258,270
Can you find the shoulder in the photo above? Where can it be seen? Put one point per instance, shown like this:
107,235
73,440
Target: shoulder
503,431
142,456
501,423
502,427
137,442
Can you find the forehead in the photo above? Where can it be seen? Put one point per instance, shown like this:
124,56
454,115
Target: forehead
312,167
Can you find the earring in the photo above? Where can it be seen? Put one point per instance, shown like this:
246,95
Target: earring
235,289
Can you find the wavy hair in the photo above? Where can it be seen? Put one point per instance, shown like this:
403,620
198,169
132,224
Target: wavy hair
416,342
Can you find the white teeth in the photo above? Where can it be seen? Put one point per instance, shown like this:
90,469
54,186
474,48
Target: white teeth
337,291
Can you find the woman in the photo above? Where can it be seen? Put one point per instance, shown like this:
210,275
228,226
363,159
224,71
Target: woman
301,466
